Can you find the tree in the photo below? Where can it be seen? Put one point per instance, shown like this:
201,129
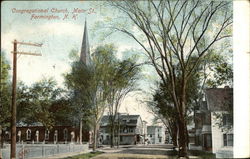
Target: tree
78,81
5,96
35,102
90,87
123,77
174,32
162,104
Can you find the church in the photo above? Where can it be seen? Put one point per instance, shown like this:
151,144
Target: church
37,133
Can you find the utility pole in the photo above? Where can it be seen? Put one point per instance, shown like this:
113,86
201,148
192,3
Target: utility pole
13,103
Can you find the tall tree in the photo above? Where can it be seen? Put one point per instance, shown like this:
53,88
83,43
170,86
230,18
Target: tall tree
173,33
123,78
205,75
90,87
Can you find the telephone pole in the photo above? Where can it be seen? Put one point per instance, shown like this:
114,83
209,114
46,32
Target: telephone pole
13,103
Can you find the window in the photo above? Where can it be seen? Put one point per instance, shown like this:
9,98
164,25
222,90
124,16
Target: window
131,130
209,140
107,137
228,139
28,134
65,134
47,134
121,139
227,119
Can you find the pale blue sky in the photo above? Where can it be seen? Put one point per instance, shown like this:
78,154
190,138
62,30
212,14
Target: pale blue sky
59,37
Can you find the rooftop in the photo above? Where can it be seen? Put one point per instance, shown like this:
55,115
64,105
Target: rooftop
219,99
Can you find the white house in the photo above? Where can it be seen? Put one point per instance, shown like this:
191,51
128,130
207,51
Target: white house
220,104
156,134
130,130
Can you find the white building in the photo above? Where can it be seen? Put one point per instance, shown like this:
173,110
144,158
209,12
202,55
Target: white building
156,134
129,130
220,102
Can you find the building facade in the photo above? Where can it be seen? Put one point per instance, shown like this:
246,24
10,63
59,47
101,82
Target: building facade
203,133
129,130
156,134
214,122
220,104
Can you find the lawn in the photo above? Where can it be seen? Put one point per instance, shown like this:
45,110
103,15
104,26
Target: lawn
201,154
85,156
194,153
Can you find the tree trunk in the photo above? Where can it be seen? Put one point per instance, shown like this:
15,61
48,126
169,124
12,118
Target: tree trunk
1,142
80,133
182,137
175,135
95,137
112,135
187,136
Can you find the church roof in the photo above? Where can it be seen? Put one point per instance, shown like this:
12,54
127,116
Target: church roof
85,49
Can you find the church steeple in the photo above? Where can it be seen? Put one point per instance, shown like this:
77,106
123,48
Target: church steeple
85,51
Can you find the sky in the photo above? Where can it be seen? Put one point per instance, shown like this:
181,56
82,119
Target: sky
59,36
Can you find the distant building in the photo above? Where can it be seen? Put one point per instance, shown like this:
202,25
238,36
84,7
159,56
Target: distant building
130,128
220,104
156,134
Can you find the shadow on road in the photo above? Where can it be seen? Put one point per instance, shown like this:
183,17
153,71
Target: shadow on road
149,150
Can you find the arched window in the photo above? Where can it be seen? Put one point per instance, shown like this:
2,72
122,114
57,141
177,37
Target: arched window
28,134
65,134
46,134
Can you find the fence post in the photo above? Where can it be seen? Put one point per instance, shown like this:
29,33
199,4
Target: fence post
58,148
43,154
23,151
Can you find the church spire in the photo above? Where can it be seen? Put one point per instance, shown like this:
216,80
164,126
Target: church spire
85,51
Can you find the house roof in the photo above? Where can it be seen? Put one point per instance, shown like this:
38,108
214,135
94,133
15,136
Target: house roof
219,99
129,119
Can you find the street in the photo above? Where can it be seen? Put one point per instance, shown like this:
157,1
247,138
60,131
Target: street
137,152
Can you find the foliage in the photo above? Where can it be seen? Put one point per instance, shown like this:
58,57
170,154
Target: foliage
5,91
35,103
78,82
174,33
124,75
90,86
